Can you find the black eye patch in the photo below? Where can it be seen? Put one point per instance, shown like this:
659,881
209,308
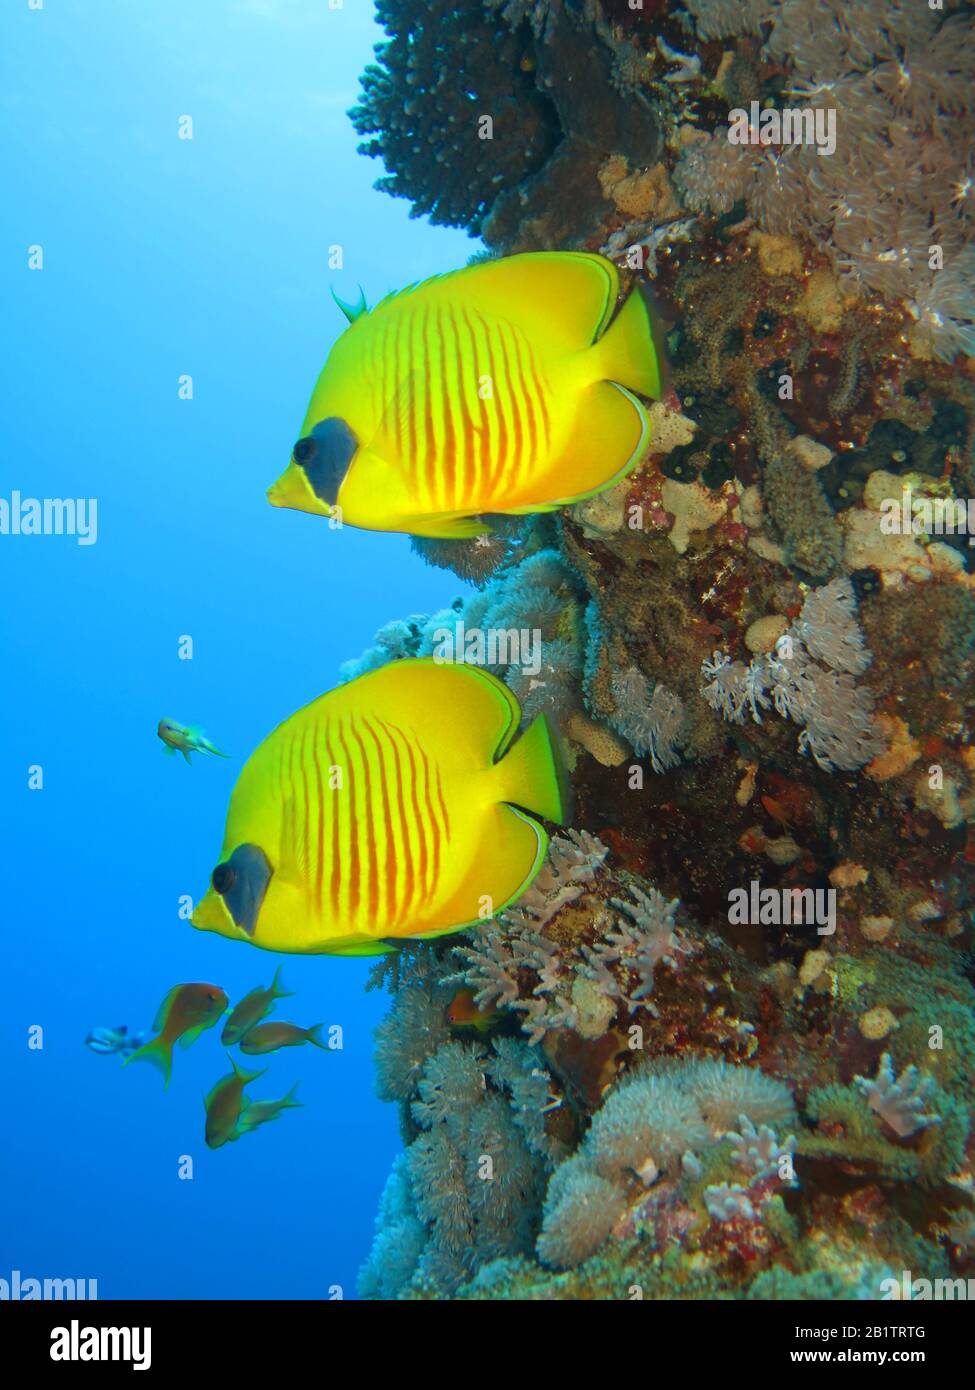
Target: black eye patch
325,455
242,882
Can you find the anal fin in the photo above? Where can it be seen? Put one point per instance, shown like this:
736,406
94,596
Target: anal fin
446,526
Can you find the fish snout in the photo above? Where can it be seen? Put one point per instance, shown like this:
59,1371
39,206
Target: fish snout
210,914
293,490
319,464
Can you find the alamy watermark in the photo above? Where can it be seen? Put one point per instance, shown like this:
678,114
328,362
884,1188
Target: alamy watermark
783,907
793,125
21,1288
50,516
924,1290
77,1343
932,516
497,646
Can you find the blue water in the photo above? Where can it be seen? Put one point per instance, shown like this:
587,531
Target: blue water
164,257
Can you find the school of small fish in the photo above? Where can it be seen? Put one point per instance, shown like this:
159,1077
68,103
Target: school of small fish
189,1010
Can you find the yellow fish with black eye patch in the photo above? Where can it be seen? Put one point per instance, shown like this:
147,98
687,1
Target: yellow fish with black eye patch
401,805
507,386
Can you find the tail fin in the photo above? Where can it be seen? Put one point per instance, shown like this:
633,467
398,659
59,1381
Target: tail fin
315,1036
246,1076
275,991
159,1052
629,352
533,773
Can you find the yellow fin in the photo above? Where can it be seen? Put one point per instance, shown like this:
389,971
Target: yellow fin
361,948
445,526
611,425
628,353
512,852
563,297
531,773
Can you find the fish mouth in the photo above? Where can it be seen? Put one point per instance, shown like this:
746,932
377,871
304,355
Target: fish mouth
293,490
211,914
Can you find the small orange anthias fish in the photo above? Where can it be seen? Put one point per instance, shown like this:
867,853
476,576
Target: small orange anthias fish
183,1015
268,1037
252,1009
225,1104
463,1012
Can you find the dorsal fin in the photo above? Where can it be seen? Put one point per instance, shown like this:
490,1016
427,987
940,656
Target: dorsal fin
352,311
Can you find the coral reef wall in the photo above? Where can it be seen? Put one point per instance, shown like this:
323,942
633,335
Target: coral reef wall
724,1046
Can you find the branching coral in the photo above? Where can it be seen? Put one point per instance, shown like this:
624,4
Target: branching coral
573,861
644,937
446,66
513,964
899,1101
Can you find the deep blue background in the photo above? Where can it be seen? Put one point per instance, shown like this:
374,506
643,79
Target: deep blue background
164,256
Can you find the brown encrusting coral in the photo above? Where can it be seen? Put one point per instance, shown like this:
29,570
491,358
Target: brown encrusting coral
725,1044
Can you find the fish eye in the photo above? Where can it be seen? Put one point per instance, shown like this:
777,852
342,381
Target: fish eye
305,449
223,878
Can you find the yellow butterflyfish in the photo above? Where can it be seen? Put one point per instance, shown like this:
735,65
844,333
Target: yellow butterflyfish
507,386
401,805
